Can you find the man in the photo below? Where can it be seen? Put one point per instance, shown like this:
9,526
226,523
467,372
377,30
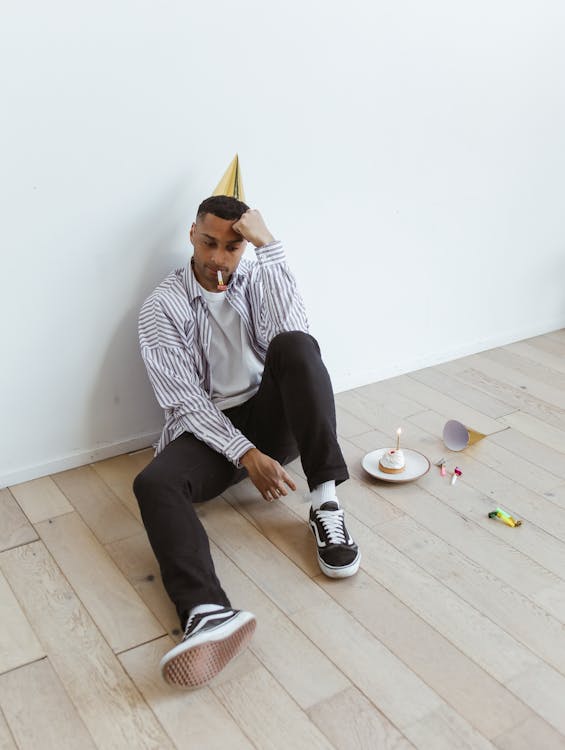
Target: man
244,391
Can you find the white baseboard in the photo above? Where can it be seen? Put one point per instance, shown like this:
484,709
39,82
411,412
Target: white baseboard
80,458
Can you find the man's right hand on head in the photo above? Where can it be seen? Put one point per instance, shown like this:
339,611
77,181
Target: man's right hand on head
252,227
266,474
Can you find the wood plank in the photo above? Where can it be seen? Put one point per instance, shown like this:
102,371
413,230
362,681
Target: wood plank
6,737
535,354
267,714
532,733
118,473
283,581
536,429
558,335
533,370
556,495
353,456
475,638
113,604
348,424
469,690
384,394
135,558
349,720
517,396
15,529
279,644
533,451
194,718
283,529
97,504
548,343
444,730
380,675
41,499
465,394
430,398
18,642
39,711
471,631
543,688
366,504
141,458
375,415
105,698
479,587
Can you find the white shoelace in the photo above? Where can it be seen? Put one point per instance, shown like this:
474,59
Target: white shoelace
332,521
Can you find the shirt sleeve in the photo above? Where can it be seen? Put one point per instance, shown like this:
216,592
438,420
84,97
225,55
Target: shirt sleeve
175,382
281,306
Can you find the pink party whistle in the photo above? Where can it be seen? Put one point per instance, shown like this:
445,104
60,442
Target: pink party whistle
456,474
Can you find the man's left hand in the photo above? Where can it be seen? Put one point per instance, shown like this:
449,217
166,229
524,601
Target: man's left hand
252,227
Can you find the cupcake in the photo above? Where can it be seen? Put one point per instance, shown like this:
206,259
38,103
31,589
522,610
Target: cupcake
392,462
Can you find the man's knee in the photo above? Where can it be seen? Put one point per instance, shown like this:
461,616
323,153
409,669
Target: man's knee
293,343
151,484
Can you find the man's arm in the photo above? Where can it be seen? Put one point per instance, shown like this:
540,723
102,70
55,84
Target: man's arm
280,306
176,385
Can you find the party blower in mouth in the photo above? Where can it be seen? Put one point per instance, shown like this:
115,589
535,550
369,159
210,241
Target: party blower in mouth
221,286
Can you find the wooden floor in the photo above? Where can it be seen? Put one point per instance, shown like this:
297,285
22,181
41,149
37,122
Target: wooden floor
450,636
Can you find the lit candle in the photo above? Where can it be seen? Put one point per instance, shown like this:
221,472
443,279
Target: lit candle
398,438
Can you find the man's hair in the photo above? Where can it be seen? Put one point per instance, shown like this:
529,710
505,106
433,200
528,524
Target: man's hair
222,206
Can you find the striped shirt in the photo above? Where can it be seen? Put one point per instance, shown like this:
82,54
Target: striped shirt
175,335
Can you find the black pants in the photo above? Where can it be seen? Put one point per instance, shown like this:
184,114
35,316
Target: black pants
292,413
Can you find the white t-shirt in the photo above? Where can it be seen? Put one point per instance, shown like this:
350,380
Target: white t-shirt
235,369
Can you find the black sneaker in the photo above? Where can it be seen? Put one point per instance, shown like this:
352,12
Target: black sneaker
338,555
210,641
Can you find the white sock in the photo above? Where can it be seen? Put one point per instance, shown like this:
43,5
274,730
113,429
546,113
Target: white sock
205,608
323,493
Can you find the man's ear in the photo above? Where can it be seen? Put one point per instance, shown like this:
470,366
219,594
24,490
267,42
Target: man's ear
191,233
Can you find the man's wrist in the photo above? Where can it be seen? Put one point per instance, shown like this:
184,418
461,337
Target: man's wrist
267,239
248,456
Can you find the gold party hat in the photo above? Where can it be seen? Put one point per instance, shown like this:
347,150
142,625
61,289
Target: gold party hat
474,436
458,436
231,183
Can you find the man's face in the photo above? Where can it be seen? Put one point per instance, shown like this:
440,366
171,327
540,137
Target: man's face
217,247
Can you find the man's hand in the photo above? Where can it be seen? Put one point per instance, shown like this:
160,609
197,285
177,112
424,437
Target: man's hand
266,474
252,228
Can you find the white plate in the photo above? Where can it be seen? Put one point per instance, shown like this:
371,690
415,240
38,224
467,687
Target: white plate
416,466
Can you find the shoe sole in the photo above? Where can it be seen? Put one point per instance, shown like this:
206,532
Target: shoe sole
194,663
341,572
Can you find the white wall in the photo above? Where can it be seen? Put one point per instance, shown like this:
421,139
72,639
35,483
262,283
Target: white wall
411,155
